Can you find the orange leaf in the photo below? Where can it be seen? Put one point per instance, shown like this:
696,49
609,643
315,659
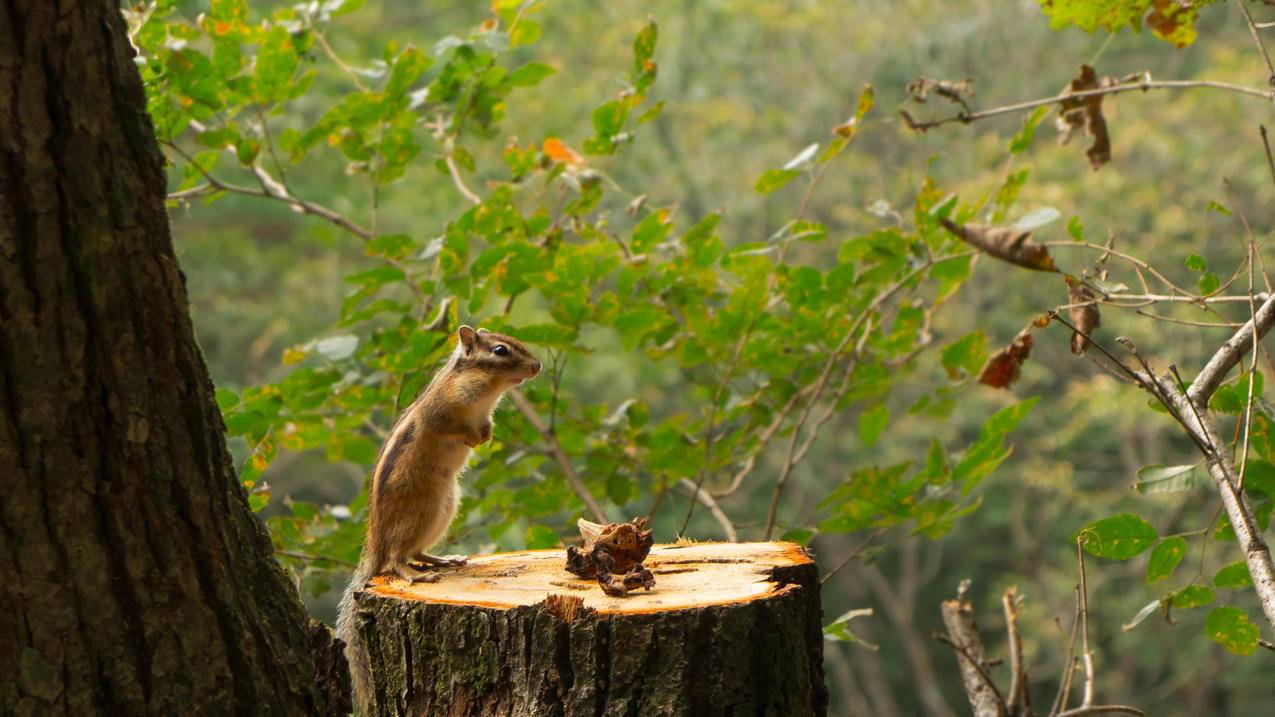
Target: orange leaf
559,152
1004,366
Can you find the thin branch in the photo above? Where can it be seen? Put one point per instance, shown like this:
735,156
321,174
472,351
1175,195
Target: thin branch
853,554
822,381
1188,322
279,194
1019,694
1257,39
555,449
1069,668
1086,653
1215,371
465,191
967,117
1102,710
716,510
314,558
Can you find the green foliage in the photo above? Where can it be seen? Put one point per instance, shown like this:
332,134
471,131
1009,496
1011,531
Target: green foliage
1192,596
1234,575
839,630
764,335
1166,556
1172,22
1119,537
1230,627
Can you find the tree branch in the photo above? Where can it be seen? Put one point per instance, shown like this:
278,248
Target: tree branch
1222,469
277,192
1215,371
555,448
967,117
962,634
698,493
1019,694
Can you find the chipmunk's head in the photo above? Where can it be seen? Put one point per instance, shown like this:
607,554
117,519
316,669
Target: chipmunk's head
496,353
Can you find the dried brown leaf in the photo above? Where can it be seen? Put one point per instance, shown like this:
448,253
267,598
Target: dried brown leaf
1004,366
1085,113
1083,312
953,90
1005,243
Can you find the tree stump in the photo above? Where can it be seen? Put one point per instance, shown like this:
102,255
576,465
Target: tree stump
728,629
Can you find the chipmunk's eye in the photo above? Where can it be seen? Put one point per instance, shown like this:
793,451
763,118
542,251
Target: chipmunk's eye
500,350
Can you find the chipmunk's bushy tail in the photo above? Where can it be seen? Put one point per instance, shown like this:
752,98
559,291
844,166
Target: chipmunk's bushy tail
347,630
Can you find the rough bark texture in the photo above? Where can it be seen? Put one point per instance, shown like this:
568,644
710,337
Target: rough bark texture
133,577
962,631
467,650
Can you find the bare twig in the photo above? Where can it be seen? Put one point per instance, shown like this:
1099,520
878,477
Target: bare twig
555,448
716,510
277,192
967,117
1215,371
1069,667
465,191
821,383
853,554
314,558
1019,692
1086,654
1102,710
1257,40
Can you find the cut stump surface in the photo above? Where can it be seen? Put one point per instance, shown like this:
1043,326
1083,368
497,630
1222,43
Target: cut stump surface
729,628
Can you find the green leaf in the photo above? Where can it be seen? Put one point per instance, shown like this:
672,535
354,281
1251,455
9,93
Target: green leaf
872,423
774,179
1167,479
540,537
965,356
644,48
1023,137
1165,558
276,62
347,6
531,74
226,399
1215,207
1208,283
1119,537
1230,627
1037,218
609,118
1076,229
839,630
337,348
1195,262
390,246
987,451
1235,575
1192,596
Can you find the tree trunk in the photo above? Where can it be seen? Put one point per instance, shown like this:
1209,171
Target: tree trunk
133,577
729,629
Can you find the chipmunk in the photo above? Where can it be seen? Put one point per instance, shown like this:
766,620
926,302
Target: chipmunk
415,492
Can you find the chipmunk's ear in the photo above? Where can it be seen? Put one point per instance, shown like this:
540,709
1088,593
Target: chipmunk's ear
467,336
483,331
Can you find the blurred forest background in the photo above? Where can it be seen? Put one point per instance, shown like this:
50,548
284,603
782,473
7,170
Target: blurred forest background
746,85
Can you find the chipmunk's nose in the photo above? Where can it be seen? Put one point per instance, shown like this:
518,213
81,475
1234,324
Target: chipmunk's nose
535,366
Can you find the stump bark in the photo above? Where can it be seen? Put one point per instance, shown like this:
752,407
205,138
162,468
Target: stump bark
728,629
